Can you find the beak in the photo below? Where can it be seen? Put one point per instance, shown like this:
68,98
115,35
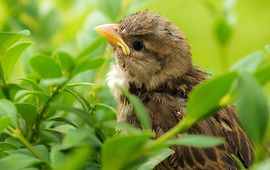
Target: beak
109,31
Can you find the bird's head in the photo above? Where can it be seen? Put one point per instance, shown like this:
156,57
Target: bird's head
149,48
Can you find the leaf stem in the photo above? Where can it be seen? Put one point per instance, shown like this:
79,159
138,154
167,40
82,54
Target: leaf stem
43,110
179,128
16,133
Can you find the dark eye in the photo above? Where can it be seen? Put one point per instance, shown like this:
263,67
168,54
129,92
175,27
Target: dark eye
137,45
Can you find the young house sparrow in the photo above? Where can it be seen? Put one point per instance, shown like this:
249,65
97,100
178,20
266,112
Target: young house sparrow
153,61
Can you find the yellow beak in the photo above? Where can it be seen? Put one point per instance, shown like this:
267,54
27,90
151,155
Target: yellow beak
109,31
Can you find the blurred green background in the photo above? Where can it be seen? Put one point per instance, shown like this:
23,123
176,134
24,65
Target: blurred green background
68,25
251,28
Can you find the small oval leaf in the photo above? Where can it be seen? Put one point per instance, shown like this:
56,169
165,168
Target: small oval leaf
45,66
252,106
250,63
156,158
114,151
28,112
7,108
66,61
10,58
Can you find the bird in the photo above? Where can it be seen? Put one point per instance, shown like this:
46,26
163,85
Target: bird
153,61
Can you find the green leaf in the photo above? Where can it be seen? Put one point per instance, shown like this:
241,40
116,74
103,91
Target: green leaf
49,136
252,106
41,150
99,106
29,169
45,66
28,112
7,39
88,64
7,108
66,61
13,141
62,119
110,8
214,89
223,31
7,146
91,48
85,104
75,159
63,129
139,109
93,166
122,126
250,63
26,93
156,158
81,137
78,112
263,74
54,81
13,89
4,122
198,141
121,151
18,161
10,58
34,85
80,84
238,162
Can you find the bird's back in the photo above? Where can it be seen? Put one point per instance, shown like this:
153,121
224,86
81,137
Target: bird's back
166,106
223,124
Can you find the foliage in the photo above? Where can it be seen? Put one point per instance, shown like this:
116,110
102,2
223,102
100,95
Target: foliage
59,114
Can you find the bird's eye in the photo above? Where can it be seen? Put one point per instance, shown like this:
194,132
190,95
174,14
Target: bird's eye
137,45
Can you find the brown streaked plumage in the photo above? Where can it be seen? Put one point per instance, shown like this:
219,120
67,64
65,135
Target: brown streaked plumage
153,61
